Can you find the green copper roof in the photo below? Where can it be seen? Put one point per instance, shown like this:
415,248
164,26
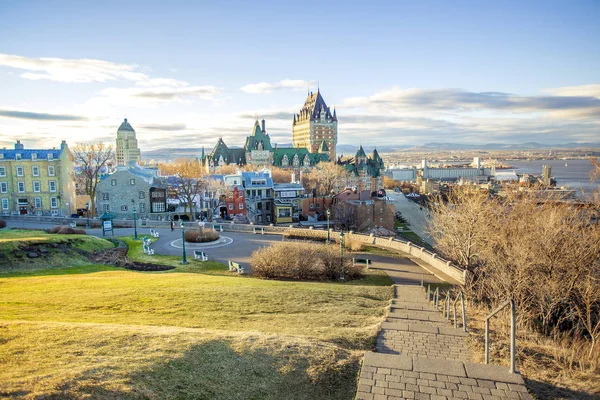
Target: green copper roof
360,152
125,126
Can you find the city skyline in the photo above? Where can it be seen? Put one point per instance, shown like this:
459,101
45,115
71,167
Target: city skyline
397,73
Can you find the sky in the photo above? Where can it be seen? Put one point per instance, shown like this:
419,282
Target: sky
398,73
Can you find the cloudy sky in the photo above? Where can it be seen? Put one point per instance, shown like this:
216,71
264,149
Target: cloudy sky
398,72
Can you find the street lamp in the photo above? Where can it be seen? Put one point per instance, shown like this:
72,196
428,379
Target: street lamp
87,214
342,256
328,215
135,236
184,260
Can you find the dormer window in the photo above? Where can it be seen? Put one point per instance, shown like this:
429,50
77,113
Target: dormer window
18,156
50,157
34,156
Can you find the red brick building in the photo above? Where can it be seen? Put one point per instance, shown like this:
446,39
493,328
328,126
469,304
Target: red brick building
235,201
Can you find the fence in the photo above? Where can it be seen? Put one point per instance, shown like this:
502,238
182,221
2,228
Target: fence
410,248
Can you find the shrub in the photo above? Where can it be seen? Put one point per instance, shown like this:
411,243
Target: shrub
201,235
66,230
301,261
353,244
2,223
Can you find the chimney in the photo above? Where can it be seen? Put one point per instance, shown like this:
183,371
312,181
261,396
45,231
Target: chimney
263,126
19,146
63,144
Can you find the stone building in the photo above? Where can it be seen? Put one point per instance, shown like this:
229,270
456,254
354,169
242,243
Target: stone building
359,211
366,173
315,124
132,187
127,145
258,151
37,181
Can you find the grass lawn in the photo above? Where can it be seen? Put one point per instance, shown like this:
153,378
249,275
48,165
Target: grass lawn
192,332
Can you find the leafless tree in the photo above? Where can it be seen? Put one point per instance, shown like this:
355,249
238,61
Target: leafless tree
90,158
187,181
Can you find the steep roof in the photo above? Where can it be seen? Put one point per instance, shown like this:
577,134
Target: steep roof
27,154
125,126
314,106
360,152
258,137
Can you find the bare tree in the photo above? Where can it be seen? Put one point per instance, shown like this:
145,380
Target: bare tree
90,158
187,181
327,177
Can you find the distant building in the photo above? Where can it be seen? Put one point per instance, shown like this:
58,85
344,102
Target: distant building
287,201
359,211
127,145
315,124
314,207
366,173
258,151
259,196
37,181
235,202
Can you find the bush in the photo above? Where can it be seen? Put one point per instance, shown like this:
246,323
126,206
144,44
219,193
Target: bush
301,261
353,244
201,235
2,223
66,230
318,236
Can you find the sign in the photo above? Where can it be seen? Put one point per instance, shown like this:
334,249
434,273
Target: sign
108,225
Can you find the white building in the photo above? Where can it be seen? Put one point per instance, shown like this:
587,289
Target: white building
127,145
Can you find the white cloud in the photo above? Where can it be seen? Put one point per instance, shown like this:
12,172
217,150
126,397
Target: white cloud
584,90
265,87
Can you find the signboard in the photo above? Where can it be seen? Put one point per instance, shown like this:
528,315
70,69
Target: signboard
107,225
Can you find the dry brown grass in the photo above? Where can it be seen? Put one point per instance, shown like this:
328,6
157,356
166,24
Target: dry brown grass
201,235
301,261
554,368
66,230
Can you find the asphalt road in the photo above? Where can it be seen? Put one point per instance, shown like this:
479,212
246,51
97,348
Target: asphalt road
238,247
413,214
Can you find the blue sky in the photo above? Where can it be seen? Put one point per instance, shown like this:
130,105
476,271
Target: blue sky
400,72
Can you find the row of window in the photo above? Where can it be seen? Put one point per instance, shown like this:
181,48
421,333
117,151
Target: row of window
37,203
156,207
35,171
259,193
106,195
113,182
34,156
37,187
241,206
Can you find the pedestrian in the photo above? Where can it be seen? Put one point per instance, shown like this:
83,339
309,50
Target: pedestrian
172,225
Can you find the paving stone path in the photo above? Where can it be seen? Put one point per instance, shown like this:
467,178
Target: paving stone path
421,356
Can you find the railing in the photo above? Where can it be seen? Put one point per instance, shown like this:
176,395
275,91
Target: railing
446,309
513,333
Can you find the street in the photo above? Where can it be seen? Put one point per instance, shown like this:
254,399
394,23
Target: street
413,214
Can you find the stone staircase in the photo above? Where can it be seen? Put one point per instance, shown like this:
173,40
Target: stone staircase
420,356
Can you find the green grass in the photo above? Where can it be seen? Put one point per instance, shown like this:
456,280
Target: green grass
192,332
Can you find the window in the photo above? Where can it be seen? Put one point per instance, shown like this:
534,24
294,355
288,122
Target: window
38,202
113,182
312,206
318,206
50,156
158,207
52,186
105,196
36,186
5,204
35,171
142,195
2,171
18,156
231,207
142,207
19,171
268,206
53,202
123,208
253,193
51,170
259,205
241,206
268,192
34,156
132,182
54,213
106,207
3,187
21,186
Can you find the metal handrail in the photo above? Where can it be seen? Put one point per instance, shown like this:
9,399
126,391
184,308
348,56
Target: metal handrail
513,333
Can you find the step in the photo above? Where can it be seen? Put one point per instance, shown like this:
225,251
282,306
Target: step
405,376
417,315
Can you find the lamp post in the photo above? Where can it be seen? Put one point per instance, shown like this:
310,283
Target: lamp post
184,260
342,256
87,214
135,236
328,215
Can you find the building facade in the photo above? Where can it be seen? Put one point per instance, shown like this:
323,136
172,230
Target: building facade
366,173
287,201
259,196
359,211
127,145
132,188
236,201
315,124
37,181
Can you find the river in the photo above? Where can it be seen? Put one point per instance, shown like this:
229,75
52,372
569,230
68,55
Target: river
573,174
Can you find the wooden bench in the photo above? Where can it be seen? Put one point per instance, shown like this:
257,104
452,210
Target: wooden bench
200,255
235,267
154,233
146,242
362,261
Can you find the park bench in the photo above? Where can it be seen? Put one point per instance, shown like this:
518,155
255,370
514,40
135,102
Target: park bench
73,224
146,242
362,261
200,255
235,267
154,233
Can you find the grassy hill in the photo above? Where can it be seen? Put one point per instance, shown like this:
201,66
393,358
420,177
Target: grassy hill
192,332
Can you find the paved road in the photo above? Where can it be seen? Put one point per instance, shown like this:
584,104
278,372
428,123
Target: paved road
413,214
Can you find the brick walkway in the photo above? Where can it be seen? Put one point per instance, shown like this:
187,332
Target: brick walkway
420,356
